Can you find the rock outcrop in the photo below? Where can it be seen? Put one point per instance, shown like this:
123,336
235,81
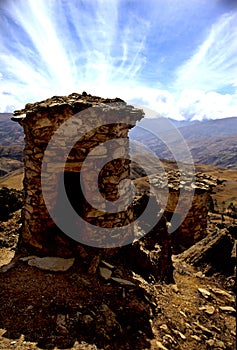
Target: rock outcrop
10,201
215,253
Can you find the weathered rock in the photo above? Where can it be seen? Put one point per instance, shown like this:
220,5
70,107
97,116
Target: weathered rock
199,274
175,288
159,345
108,265
88,130
94,265
164,327
7,267
205,293
193,227
123,281
208,309
196,337
81,114
151,255
168,339
110,323
210,342
219,344
182,336
10,201
213,253
51,263
61,324
203,328
227,309
105,273
223,293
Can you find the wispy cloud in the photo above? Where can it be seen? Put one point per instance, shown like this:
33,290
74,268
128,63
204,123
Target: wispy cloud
130,49
214,64
58,47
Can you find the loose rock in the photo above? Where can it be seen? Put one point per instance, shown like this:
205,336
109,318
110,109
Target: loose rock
208,309
227,309
122,281
205,293
51,263
105,273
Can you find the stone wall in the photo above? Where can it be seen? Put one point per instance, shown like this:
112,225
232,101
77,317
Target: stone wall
191,214
61,134
40,121
194,226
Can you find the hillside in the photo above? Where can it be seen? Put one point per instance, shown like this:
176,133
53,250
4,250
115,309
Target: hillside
211,142
207,128
11,144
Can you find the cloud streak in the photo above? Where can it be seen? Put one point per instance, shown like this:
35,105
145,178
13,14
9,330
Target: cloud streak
214,65
56,48
129,49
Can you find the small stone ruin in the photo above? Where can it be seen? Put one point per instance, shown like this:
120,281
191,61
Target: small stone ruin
192,227
81,126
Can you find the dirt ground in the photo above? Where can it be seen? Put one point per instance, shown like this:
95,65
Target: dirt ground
80,310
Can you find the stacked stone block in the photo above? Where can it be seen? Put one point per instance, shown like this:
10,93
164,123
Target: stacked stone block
82,113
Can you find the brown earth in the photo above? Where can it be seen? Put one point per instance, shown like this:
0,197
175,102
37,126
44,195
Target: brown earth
81,310
75,310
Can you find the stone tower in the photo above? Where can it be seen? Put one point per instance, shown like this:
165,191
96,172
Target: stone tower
60,133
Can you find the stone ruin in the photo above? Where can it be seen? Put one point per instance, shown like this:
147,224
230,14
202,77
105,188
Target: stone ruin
193,227
40,234
86,116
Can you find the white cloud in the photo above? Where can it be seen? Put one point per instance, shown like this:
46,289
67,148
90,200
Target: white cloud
105,56
196,104
100,57
214,65
190,104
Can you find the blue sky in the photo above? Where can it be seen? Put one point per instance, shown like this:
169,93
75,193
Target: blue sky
176,57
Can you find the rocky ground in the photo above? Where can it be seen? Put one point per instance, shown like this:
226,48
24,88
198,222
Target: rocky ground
104,305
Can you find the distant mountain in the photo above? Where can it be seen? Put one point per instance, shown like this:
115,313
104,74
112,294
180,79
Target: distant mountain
11,144
10,132
181,123
212,142
209,128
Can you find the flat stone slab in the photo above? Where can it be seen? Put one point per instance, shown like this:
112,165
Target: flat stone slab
122,281
51,263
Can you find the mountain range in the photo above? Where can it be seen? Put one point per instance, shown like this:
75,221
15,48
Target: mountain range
11,144
211,142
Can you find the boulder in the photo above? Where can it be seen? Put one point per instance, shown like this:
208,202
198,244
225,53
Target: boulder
213,253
